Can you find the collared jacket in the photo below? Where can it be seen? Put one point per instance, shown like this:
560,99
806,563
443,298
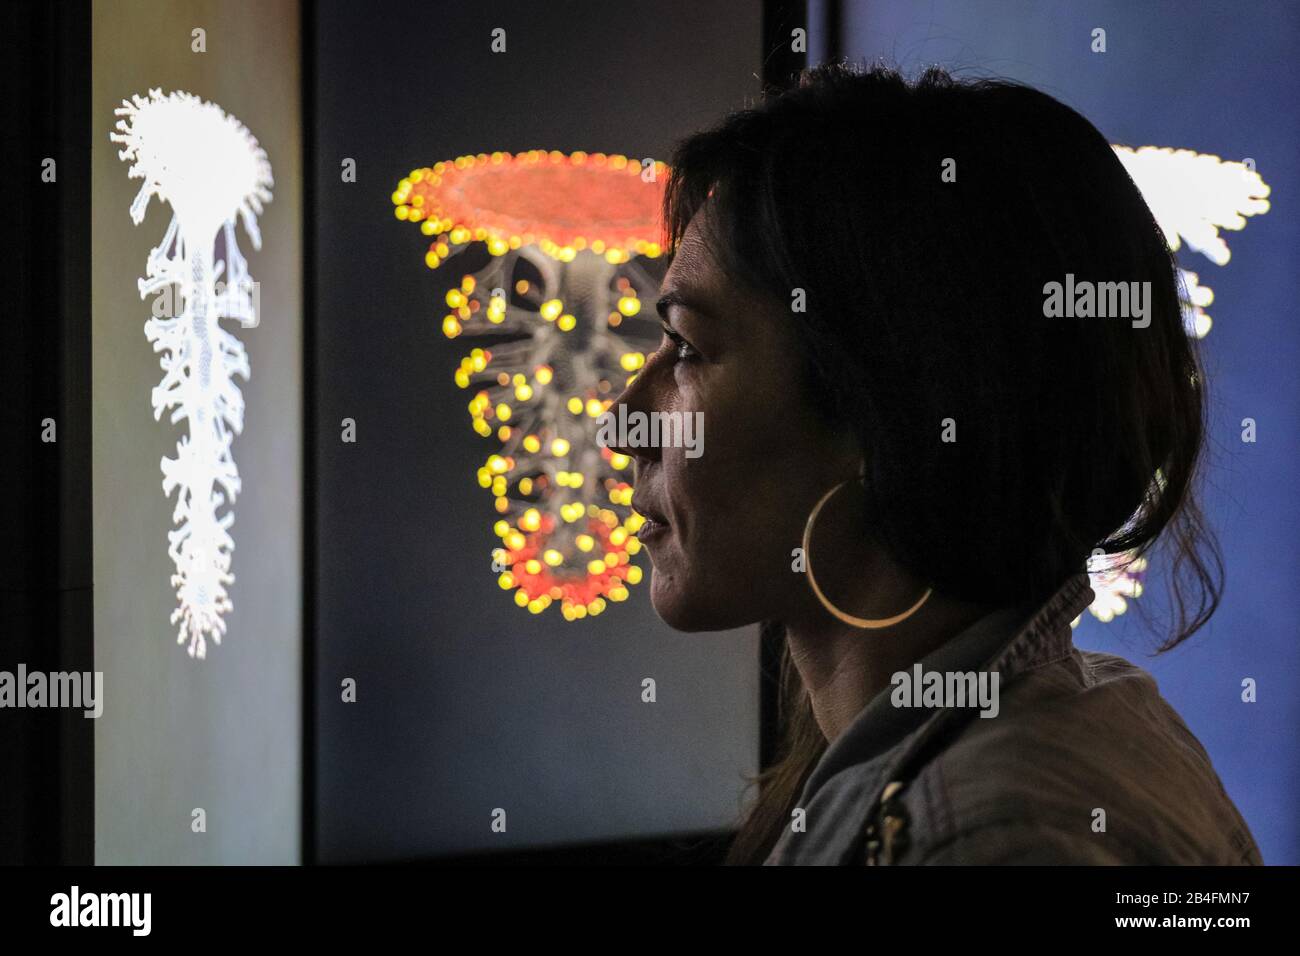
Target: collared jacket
1084,763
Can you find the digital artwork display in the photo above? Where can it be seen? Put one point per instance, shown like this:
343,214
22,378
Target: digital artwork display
210,170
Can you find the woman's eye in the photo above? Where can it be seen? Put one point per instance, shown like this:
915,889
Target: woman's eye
684,349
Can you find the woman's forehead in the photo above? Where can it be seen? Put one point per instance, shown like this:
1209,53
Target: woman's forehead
693,263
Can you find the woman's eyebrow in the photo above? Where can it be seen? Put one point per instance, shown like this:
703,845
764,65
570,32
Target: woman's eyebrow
680,298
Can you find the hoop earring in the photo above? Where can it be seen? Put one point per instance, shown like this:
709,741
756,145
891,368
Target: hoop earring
859,622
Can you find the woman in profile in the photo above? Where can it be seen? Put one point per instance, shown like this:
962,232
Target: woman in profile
911,456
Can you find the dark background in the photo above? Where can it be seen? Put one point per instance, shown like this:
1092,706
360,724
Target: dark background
46,614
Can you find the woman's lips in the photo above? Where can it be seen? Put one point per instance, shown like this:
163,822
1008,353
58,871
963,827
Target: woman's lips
651,529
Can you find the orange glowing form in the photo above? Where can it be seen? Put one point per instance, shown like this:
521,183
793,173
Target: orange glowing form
569,236
563,204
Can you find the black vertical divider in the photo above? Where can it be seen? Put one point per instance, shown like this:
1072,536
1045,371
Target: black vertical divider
780,65
310,543
834,20
46,613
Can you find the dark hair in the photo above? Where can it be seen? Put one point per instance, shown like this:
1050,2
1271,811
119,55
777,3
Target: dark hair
925,303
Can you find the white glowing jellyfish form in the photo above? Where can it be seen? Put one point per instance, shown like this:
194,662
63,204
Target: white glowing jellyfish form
1115,579
1191,196
210,169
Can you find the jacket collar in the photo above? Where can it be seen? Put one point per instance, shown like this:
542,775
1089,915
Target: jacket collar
1009,641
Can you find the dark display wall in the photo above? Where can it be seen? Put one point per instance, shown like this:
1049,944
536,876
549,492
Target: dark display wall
464,702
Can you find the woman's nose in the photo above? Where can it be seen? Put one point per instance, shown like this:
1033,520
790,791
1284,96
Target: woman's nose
628,416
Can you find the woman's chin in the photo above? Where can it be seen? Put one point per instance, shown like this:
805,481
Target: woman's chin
692,609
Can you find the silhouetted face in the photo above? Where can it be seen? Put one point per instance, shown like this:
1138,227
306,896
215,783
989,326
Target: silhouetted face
722,526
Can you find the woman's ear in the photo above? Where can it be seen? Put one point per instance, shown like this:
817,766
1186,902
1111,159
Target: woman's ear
849,456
